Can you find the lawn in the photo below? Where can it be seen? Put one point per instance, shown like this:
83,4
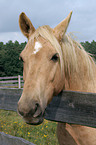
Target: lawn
44,134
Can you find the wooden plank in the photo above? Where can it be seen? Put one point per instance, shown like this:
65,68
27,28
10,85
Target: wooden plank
3,78
19,82
11,81
9,98
73,107
68,106
6,139
8,85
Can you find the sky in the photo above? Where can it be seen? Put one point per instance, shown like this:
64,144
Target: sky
48,12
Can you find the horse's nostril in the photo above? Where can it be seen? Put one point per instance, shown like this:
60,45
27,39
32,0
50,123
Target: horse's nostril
35,111
38,111
37,106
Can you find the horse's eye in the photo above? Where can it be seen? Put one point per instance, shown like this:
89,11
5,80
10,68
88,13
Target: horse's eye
55,57
20,58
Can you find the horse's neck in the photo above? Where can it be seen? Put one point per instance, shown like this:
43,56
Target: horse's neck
78,83
82,80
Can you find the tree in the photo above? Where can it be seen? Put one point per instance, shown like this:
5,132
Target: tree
90,47
9,58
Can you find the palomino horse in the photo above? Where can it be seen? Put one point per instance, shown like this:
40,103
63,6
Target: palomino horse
52,62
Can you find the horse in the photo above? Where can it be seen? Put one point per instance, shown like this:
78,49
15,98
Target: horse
53,61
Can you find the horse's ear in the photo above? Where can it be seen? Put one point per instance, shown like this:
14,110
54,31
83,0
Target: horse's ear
61,28
25,25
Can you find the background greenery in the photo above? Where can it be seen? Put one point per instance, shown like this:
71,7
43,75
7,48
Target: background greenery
10,65
44,134
9,56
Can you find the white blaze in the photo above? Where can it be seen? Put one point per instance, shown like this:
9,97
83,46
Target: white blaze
37,47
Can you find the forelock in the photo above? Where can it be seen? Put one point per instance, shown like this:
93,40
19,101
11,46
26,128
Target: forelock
47,33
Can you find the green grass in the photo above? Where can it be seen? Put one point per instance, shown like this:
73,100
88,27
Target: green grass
44,134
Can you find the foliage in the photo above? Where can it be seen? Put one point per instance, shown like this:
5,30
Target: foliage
9,57
90,47
44,134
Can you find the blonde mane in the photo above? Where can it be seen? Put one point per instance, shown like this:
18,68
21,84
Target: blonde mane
75,56
71,53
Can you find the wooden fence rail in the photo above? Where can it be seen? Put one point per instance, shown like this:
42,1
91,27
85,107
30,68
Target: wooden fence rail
6,139
11,82
68,106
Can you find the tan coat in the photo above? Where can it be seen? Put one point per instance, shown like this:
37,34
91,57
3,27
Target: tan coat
52,62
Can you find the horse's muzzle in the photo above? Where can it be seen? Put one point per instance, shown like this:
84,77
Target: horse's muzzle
33,116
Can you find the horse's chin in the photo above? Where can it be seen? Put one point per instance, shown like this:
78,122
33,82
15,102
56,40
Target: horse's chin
34,121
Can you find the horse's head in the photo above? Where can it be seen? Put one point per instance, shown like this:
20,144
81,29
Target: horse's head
43,68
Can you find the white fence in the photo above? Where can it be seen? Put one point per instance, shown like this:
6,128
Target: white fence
11,82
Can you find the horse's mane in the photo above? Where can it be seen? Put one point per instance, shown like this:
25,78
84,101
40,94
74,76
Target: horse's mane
75,56
71,53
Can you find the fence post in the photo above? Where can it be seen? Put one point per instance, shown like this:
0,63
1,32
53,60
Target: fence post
19,82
